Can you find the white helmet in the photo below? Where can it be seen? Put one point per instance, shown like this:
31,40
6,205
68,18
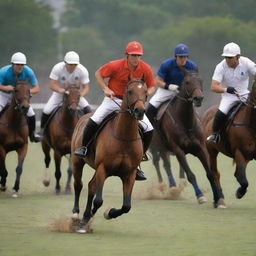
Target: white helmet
72,58
19,58
231,50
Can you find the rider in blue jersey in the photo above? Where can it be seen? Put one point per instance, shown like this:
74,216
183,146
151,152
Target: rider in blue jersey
8,76
169,79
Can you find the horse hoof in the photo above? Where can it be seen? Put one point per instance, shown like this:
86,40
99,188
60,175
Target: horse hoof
14,194
240,193
106,214
3,188
68,191
46,183
81,231
201,200
75,216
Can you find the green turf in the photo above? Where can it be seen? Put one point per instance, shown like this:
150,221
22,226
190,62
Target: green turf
152,227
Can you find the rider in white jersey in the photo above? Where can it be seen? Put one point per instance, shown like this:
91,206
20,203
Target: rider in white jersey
64,73
231,79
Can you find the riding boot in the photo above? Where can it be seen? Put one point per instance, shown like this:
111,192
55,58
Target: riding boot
218,124
89,132
146,138
31,129
87,110
44,122
151,114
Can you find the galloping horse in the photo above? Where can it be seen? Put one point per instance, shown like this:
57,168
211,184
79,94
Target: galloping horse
238,141
14,133
58,134
181,131
117,151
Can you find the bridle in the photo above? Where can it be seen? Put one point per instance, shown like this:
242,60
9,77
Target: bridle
130,107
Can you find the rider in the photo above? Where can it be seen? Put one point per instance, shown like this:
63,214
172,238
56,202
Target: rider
69,71
231,78
169,78
117,72
18,70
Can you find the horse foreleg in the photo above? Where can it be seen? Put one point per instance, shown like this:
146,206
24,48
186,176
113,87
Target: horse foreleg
88,210
69,176
21,156
218,197
128,183
155,160
167,166
190,175
47,160
240,174
3,171
57,159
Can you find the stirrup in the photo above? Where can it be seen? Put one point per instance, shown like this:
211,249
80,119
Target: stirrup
81,152
215,138
145,157
140,174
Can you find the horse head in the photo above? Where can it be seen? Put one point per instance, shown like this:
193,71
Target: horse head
135,97
71,97
192,87
21,96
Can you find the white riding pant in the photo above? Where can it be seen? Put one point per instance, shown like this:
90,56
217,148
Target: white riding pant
109,105
56,99
161,96
6,98
228,100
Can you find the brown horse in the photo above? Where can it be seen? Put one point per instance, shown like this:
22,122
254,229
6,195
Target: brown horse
181,131
58,134
238,141
117,151
14,133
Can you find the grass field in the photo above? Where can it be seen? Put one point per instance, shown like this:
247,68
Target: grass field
152,227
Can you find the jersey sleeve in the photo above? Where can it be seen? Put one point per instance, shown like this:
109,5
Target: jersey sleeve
84,75
162,71
251,67
32,77
54,73
218,73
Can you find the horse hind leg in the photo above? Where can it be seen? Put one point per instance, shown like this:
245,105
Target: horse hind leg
167,166
155,160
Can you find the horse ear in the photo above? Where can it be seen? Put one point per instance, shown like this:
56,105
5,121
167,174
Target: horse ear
184,70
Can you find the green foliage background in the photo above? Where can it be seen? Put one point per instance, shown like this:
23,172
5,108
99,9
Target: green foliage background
99,30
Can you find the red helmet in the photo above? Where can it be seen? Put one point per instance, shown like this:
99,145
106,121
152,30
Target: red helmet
134,48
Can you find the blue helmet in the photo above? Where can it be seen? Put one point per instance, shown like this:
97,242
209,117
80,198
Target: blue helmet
181,50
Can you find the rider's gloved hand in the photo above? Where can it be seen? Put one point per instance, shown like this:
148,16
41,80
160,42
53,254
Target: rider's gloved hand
231,90
171,87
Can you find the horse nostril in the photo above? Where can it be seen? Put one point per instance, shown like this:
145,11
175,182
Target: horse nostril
139,113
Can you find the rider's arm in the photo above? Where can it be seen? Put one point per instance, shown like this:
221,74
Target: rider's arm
35,89
54,86
216,87
160,82
85,90
100,80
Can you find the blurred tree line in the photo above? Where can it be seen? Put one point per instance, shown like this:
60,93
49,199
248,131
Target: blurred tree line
99,30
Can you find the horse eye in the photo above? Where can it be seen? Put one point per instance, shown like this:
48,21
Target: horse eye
130,92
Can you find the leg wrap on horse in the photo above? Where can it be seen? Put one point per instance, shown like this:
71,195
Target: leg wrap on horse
151,114
87,110
89,133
